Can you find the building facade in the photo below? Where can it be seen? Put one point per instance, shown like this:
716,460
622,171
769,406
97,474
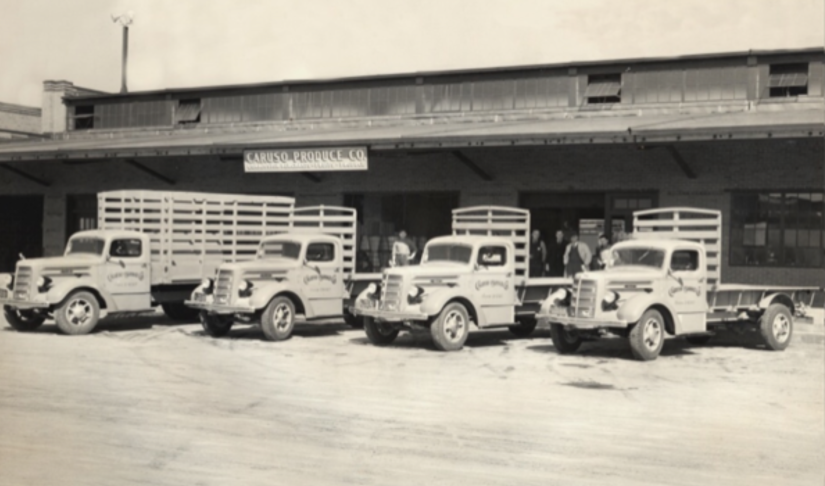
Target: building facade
580,145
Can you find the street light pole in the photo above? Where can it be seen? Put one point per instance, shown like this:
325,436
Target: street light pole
125,20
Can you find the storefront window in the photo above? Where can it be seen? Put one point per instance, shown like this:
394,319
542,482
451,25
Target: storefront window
785,229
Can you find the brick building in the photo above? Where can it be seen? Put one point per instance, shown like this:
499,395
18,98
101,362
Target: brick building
582,145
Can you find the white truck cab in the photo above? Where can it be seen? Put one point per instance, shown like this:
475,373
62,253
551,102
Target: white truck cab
477,276
665,282
302,275
152,248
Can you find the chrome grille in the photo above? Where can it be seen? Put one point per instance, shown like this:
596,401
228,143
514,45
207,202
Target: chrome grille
223,287
583,301
22,283
391,295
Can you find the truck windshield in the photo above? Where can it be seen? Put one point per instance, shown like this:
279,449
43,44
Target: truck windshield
447,253
86,245
279,249
646,257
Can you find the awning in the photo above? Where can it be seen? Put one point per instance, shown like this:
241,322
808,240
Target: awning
601,89
581,128
788,80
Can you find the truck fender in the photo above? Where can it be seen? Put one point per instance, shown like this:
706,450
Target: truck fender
61,290
436,300
632,309
777,298
265,293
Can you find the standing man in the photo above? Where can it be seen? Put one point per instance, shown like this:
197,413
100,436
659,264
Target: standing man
403,250
555,255
602,253
577,257
538,255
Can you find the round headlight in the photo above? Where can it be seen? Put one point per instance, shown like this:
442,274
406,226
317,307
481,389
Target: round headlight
611,298
244,285
372,289
43,282
414,292
558,295
206,283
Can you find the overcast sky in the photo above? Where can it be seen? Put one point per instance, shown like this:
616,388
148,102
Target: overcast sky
175,43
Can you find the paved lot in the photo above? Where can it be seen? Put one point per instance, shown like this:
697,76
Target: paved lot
147,402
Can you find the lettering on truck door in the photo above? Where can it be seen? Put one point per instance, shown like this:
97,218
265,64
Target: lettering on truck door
322,279
687,289
493,285
127,274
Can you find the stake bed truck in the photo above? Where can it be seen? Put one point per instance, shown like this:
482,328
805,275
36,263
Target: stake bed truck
305,274
665,282
151,248
475,277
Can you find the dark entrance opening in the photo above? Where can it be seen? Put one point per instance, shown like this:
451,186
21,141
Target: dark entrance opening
423,215
21,220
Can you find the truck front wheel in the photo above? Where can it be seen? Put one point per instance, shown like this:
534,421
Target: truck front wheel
379,333
648,336
564,341
22,320
776,327
451,328
278,319
215,325
178,311
78,314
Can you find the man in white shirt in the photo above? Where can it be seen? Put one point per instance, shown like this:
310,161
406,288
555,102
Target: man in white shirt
403,250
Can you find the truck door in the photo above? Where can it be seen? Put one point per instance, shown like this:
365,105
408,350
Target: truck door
493,284
688,290
323,281
127,274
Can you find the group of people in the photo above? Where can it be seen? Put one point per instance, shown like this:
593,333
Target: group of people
566,257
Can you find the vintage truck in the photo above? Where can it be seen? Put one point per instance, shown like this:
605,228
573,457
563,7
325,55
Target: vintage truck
475,277
305,274
665,282
151,248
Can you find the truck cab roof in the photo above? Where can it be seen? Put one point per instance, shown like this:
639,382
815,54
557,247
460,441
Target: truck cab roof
471,240
303,237
104,234
664,244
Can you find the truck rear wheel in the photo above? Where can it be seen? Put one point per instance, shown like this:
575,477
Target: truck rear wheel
178,311
776,327
379,333
22,320
451,328
525,326
564,341
278,319
78,314
648,336
215,325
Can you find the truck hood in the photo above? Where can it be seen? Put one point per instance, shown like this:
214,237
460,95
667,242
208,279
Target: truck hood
440,271
271,264
630,274
79,260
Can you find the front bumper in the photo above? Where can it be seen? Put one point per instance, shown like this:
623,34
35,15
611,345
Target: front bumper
20,304
218,308
560,317
390,316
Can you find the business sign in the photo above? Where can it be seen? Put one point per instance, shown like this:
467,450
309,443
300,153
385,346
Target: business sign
305,160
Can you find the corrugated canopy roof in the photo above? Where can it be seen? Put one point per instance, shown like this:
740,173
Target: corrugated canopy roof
599,128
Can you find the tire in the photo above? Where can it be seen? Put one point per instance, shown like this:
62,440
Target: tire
353,321
564,341
698,340
648,336
178,311
278,319
450,329
215,325
379,333
525,326
776,327
22,320
78,314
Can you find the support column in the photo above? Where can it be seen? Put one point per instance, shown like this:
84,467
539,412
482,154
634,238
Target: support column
54,224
